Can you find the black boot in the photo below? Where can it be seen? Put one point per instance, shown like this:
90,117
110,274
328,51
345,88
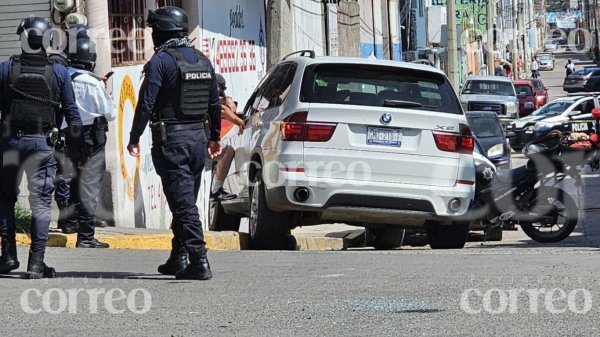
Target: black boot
99,223
198,269
70,226
36,268
176,262
8,261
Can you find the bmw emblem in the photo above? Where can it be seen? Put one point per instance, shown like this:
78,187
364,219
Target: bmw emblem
385,119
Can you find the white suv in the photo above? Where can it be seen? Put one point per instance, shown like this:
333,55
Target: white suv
371,143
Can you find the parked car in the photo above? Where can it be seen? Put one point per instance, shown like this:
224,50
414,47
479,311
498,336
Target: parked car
486,127
532,95
372,143
546,61
550,45
491,93
584,80
573,113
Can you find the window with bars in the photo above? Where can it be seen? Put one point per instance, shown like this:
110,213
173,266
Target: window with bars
162,3
127,23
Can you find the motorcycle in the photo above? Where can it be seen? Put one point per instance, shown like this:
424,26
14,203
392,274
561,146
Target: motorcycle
527,196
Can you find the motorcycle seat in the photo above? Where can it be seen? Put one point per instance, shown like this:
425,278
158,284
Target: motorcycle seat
509,176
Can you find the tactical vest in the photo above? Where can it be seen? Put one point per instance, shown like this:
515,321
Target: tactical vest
31,94
189,100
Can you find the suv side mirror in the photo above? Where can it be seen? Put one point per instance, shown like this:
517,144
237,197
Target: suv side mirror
596,113
546,88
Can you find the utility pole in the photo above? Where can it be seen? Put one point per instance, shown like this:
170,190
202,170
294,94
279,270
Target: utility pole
490,37
452,44
515,52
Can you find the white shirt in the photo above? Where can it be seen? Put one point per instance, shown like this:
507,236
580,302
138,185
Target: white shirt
571,66
534,65
92,98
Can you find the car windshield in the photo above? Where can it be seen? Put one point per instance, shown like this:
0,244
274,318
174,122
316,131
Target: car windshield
523,90
545,58
553,108
370,85
485,126
489,88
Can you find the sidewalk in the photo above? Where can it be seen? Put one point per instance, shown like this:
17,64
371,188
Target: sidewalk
327,237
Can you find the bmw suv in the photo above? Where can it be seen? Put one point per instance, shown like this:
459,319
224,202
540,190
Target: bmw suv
372,143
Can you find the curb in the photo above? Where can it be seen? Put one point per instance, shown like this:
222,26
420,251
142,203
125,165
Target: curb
214,241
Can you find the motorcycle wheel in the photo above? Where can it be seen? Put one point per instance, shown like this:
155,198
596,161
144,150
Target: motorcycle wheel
566,218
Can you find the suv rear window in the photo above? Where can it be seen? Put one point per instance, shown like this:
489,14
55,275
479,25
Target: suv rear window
357,84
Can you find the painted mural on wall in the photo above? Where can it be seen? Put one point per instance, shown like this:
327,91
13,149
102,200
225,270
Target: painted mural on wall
470,13
139,199
233,36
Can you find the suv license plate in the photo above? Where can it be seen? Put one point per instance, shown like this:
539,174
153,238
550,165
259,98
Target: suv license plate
384,136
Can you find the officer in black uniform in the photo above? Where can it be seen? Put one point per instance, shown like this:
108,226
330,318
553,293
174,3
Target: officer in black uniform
31,91
178,94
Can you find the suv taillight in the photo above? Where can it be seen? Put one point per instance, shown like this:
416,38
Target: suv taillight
452,142
296,128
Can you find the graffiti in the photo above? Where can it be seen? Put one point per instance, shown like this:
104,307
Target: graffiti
236,17
231,56
127,95
156,197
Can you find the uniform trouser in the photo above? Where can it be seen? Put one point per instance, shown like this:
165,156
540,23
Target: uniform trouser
31,155
87,184
63,179
179,162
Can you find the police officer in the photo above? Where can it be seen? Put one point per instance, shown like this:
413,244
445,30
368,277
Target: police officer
96,108
178,94
31,91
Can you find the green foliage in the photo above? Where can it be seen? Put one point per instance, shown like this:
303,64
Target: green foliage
23,219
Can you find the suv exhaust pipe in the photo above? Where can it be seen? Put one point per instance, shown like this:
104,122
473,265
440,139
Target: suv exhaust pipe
301,194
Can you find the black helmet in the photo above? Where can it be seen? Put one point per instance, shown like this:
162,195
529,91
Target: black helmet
85,54
74,33
168,19
34,29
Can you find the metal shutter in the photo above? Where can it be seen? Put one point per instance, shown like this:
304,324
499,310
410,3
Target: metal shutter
11,14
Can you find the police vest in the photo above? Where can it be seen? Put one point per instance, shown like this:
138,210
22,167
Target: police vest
31,94
190,99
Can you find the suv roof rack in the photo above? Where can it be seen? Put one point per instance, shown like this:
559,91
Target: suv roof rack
311,54
584,93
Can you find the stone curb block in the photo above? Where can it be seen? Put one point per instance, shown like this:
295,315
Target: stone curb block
214,241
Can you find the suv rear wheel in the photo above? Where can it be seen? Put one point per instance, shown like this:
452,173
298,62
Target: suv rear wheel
268,229
447,237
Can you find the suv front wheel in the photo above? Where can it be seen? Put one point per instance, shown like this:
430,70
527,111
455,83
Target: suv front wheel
268,229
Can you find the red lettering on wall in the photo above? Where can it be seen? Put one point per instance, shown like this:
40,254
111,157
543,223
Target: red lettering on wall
230,55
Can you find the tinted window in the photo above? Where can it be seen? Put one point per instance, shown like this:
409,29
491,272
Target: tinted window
251,107
523,89
489,88
369,85
485,127
553,108
544,58
273,89
538,84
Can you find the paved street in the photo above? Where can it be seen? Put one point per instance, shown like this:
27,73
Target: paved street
361,292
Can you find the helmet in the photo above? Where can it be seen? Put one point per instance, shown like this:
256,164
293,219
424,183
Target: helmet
168,19
34,29
84,55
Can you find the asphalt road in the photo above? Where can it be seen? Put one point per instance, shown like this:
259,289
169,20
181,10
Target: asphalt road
511,288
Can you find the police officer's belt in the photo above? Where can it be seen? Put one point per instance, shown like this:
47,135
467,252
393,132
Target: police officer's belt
182,127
